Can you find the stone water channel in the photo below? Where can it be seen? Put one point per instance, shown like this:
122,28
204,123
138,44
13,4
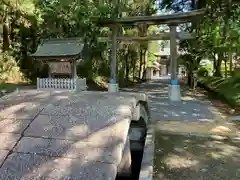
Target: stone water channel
64,135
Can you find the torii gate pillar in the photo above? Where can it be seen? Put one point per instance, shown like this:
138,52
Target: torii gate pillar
174,91
113,86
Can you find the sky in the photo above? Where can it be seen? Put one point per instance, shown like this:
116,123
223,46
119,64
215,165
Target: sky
164,11
185,7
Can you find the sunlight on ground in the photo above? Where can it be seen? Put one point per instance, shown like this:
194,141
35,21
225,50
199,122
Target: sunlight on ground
174,161
187,98
12,109
206,127
220,149
123,110
56,143
220,129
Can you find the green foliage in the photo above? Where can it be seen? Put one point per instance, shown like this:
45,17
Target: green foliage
202,71
226,89
153,50
190,61
9,69
217,33
236,73
26,22
8,87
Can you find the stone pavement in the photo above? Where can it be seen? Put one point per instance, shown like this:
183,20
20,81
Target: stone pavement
195,114
189,109
60,135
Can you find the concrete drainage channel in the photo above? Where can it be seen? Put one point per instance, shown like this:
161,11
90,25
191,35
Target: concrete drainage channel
146,171
141,135
137,136
142,152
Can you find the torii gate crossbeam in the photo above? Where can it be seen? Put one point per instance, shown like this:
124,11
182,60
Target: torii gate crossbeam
172,20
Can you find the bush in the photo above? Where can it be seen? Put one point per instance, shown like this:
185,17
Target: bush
9,69
202,72
227,89
236,73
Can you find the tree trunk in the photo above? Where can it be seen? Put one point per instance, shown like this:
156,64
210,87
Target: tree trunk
126,66
127,69
6,40
140,65
34,35
122,69
218,71
145,54
214,64
190,79
218,64
230,61
225,66
134,69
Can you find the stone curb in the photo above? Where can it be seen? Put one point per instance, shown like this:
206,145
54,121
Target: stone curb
146,171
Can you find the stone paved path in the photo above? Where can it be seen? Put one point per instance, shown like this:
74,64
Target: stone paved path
195,114
190,109
59,135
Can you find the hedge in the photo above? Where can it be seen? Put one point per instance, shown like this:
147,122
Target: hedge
226,89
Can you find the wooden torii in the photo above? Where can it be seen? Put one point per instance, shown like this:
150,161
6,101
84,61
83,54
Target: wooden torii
172,20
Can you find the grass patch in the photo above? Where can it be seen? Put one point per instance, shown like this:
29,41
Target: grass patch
226,89
179,157
100,83
8,86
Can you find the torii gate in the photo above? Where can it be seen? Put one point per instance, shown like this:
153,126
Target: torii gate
172,20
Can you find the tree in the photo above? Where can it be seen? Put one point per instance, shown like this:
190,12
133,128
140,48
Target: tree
26,22
217,33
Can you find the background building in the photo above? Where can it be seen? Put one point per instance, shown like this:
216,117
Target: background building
161,65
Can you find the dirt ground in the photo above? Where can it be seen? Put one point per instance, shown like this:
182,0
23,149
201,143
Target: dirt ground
179,157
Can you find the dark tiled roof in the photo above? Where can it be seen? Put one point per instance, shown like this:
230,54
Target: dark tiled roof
59,48
177,18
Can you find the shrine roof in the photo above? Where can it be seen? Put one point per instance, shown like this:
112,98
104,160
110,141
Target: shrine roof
153,67
69,47
175,18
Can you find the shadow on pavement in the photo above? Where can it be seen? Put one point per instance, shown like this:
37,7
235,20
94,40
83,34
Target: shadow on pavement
189,109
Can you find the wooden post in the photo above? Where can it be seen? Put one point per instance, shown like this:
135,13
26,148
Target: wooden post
74,69
49,71
173,51
38,82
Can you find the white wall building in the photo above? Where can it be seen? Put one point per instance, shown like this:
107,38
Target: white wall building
161,67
